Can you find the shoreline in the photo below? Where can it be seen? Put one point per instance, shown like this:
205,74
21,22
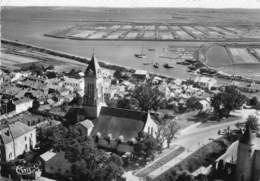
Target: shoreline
200,57
81,59
108,65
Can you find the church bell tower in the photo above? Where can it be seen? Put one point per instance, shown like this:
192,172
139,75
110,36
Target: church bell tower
93,89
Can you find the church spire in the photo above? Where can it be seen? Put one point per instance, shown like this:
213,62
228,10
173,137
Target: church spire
93,67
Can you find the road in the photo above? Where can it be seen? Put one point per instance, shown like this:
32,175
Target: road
194,139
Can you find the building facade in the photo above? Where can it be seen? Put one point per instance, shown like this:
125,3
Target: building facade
22,105
16,139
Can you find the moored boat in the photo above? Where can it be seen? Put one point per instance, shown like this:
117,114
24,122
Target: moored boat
140,55
167,65
156,65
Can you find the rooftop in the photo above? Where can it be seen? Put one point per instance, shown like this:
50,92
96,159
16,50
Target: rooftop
119,122
87,124
14,130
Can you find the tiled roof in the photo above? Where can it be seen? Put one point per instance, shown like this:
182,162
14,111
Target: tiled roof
119,122
14,130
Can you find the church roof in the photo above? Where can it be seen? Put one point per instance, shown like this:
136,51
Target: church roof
93,68
119,122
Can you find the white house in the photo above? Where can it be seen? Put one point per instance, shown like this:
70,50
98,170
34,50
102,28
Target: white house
22,105
16,139
206,82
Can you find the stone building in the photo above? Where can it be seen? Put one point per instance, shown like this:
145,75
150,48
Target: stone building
113,121
248,157
16,139
93,91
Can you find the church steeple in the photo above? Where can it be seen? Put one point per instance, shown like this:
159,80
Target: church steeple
93,89
93,67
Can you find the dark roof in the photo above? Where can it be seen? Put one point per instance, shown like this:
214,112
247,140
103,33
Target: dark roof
93,68
246,138
76,114
118,122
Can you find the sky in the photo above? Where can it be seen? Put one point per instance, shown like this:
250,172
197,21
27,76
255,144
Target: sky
138,3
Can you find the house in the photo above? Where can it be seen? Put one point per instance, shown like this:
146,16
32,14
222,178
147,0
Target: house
205,105
74,83
22,105
16,139
141,74
206,82
87,125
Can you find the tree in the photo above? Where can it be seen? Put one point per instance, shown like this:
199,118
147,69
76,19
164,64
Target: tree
253,101
170,131
160,137
147,97
193,103
226,101
127,103
88,162
124,103
145,147
253,122
118,74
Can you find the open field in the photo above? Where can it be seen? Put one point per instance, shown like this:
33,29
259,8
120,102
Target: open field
241,56
184,32
233,59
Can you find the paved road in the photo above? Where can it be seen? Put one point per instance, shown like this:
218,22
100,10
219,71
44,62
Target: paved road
194,139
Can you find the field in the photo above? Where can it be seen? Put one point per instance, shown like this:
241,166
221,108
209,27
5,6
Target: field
241,60
242,56
168,31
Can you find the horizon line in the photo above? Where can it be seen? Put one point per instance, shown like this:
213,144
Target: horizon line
131,7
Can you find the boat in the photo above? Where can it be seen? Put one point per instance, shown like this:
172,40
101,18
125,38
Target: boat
156,65
147,63
151,49
141,55
168,66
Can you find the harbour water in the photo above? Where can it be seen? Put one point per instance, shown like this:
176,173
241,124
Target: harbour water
29,26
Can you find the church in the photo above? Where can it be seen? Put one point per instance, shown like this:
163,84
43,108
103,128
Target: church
115,122
248,157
